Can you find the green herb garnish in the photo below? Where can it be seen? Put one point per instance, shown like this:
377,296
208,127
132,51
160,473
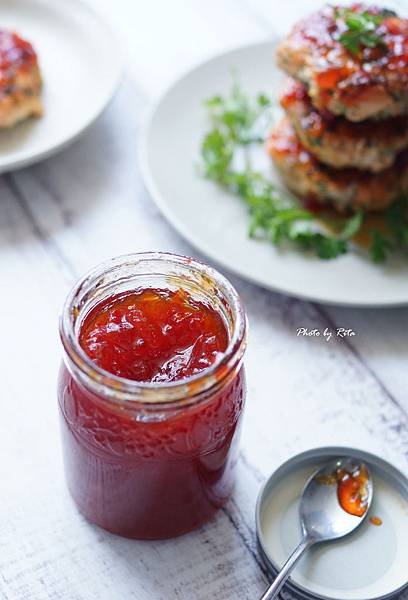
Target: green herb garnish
362,29
380,247
237,123
237,116
396,217
274,215
396,220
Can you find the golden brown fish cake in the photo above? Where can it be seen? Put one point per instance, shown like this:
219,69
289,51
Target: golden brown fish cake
20,80
367,145
364,83
343,189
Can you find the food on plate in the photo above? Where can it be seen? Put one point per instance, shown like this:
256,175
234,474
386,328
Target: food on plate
353,60
343,189
342,146
344,140
20,80
368,145
238,122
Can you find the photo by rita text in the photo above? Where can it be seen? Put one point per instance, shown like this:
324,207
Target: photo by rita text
327,334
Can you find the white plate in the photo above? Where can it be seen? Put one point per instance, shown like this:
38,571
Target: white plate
216,222
81,67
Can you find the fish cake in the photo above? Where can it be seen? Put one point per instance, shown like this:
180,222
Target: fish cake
367,145
342,74
342,189
20,80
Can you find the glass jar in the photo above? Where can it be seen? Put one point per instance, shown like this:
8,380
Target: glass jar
151,460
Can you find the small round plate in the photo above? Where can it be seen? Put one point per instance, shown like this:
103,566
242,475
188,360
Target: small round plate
369,564
81,67
217,223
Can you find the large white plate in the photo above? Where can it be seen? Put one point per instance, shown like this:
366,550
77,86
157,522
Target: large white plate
216,222
81,67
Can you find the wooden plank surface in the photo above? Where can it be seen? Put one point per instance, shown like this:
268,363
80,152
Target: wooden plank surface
61,217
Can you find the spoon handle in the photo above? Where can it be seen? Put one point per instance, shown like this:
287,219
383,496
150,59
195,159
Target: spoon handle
275,588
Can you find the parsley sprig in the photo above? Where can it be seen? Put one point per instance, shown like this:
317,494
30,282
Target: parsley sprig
274,215
396,238
240,119
361,29
237,123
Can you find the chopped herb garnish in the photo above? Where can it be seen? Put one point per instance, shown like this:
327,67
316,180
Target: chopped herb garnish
396,218
380,246
353,225
238,116
396,236
275,216
362,29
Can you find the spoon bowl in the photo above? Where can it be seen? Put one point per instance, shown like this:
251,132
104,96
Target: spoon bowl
321,514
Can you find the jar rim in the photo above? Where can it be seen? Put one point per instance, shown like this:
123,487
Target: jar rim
146,392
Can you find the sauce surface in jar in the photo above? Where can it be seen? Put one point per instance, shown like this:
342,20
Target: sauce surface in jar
155,335
153,471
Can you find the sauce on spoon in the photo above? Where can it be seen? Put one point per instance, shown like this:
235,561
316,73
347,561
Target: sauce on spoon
352,490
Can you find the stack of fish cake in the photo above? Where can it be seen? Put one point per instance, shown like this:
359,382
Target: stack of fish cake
343,141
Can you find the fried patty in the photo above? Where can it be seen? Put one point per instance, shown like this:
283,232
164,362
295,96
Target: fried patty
368,145
358,82
343,189
20,80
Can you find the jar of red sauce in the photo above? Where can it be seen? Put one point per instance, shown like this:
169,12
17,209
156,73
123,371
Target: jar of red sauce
150,459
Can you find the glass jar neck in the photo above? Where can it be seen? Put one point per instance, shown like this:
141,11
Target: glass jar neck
159,270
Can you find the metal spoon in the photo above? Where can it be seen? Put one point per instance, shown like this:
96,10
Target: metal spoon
321,516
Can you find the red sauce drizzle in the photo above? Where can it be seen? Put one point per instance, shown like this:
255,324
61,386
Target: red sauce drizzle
15,54
294,91
284,142
312,204
316,121
155,335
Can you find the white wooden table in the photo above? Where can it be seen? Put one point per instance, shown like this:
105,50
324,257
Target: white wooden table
61,217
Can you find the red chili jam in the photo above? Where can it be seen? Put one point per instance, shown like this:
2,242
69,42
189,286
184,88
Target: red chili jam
151,452
153,335
352,490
